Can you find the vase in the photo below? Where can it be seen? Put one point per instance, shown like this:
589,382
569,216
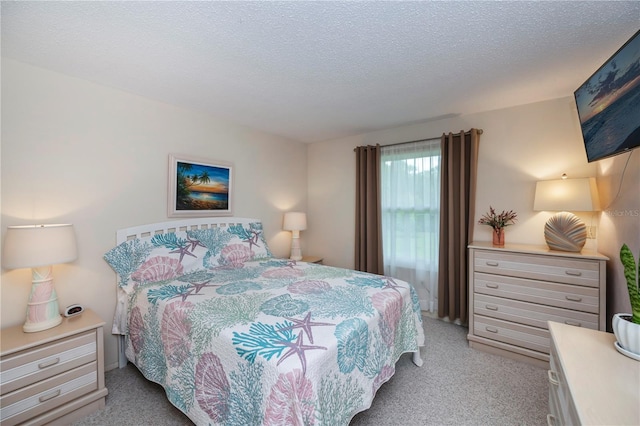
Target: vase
498,237
627,335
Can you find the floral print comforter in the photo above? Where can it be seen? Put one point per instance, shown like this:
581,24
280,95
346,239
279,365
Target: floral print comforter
272,341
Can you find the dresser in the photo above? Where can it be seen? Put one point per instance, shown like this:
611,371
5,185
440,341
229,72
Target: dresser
52,376
590,382
516,289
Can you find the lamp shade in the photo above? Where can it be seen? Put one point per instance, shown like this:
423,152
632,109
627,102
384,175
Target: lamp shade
295,221
574,195
34,246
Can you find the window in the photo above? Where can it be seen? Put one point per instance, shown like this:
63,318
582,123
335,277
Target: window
410,198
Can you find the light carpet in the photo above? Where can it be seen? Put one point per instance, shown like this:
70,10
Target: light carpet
456,385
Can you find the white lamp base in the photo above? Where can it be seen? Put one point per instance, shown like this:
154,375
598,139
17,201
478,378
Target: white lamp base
296,251
42,309
565,231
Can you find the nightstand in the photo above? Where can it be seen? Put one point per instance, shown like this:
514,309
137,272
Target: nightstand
312,259
52,375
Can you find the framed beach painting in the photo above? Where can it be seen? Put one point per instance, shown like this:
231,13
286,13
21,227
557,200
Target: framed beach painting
199,187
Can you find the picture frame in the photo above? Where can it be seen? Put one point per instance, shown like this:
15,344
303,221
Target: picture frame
199,187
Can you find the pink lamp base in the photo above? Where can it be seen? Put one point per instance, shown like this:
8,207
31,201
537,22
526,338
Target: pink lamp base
42,309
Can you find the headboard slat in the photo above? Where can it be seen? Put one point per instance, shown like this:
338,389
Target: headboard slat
140,231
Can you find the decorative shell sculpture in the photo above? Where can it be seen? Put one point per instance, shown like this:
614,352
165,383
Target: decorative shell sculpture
565,232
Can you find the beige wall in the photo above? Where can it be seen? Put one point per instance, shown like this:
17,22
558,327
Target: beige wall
76,152
519,146
73,151
619,188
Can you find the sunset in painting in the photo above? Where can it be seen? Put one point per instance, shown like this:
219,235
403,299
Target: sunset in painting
202,187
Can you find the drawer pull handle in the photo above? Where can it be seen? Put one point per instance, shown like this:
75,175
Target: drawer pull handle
492,263
491,285
491,329
491,307
551,420
573,323
574,298
553,377
573,273
52,395
49,363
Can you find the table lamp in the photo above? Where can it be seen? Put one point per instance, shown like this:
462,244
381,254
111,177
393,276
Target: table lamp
564,231
295,222
39,247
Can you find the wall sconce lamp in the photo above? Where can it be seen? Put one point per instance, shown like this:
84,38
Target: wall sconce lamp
295,222
564,231
39,247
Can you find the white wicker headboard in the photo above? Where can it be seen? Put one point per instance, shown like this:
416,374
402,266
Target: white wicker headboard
125,234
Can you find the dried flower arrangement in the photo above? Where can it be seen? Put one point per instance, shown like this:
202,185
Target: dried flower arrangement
498,221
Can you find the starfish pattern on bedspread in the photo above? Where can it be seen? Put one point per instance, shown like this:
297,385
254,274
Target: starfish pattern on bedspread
183,250
304,324
391,284
194,243
298,347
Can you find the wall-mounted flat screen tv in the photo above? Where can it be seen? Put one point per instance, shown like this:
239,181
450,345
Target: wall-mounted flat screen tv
609,104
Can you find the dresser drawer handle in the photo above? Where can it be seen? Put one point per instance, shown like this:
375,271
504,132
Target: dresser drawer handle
573,273
49,363
492,263
52,395
553,377
573,323
491,307
491,285
574,298
491,329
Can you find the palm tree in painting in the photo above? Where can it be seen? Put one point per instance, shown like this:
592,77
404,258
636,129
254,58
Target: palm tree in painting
186,180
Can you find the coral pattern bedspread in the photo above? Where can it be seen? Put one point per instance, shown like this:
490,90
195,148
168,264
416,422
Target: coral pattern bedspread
253,341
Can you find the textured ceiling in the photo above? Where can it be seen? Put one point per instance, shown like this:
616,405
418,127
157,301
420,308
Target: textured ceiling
313,71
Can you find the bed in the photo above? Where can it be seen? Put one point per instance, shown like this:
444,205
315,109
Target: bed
236,336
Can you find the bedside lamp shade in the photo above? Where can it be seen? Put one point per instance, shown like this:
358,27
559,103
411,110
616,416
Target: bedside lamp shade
564,231
295,222
39,247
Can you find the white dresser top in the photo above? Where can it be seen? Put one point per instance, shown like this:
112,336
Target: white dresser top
604,384
538,249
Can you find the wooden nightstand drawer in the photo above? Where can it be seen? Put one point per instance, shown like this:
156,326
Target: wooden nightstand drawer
54,376
40,397
34,365
545,268
567,296
531,313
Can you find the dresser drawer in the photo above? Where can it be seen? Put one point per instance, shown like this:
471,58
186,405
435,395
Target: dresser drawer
530,313
48,394
41,362
545,268
567,296
559,390
536,339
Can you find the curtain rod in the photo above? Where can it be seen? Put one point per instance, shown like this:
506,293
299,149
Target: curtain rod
422,140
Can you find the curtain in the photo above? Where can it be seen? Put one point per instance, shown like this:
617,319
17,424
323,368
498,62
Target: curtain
457,209
410,180
368,249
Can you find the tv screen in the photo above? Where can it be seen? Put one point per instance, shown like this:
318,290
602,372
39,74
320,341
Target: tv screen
609,104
